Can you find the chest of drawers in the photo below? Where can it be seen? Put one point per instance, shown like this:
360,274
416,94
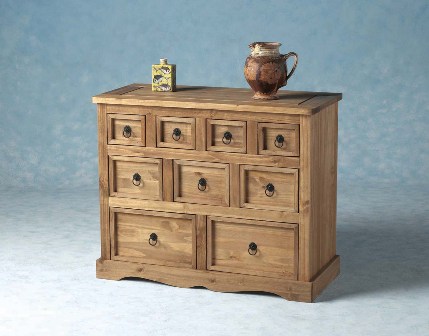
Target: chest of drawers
206,187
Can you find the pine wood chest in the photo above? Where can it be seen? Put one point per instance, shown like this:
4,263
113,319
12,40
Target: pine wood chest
207,187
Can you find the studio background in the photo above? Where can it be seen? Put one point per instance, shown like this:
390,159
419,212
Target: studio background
55,55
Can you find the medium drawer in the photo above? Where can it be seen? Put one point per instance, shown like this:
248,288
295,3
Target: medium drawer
153,237
201,182
252,247
175,132
278,139
226,136
135,177
269,188
126,129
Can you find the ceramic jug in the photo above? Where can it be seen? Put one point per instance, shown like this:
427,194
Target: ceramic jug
266,69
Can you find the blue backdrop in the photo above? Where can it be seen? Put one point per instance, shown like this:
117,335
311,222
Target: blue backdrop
54,55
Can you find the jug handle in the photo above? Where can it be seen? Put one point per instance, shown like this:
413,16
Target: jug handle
295,63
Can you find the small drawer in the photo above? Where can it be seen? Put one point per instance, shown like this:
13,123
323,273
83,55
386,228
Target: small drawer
269,188
201,182
126,129
226,136
278,139
153,237
252,247
175,132
135,177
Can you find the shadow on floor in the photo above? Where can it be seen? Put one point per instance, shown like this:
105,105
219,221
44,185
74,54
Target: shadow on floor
377,255
390,254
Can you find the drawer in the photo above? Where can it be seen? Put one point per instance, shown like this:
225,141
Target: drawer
252,247
153,237
175,132
226,136
278,139
201,182
126,129
135,177
269,188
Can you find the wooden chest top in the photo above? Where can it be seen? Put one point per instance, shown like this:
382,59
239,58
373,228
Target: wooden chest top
218,98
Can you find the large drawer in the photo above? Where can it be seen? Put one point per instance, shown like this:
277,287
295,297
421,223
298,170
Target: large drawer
201,182
135,177
153,237
252,247
269,188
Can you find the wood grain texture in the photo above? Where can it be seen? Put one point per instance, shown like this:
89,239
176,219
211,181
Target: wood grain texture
204,113
204,209
253,182
122,170
150,130
208,156
221,99
216,281
318,186
200,134
167,180
186,179
103,181
228,243
252,137
267,133
204,236
176,237
201,242
116,124
131,110
325,276
234,185
125,89
215,136
164,132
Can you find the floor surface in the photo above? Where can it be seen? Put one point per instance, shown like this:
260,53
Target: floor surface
49,243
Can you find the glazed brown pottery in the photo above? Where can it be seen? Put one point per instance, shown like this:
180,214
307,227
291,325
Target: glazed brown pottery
266,69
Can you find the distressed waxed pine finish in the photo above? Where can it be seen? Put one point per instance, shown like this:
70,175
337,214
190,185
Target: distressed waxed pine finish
207,187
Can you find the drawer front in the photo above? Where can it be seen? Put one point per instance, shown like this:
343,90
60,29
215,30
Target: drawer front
175,132
226,136
278,139
269,188
153,237
135,177
252,247
126,129
201,182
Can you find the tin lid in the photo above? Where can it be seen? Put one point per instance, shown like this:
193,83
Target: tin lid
163,61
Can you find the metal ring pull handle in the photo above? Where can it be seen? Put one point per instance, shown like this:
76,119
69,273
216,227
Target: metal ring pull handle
253,248
127,131
227,137
202,184
137,179
279,142
153,238
269,190
176,134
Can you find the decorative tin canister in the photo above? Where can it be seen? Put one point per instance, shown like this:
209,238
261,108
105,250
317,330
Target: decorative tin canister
163,76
